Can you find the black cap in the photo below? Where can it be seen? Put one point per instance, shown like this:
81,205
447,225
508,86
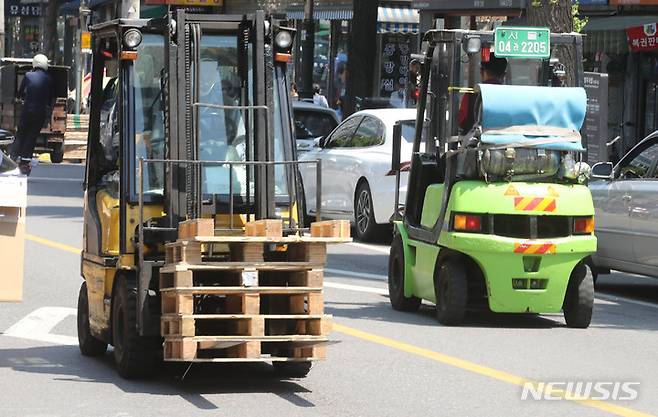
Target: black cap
497,66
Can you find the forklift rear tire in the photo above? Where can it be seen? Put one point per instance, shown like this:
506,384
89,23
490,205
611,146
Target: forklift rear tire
292,369
57,154
451,290
89,345
396,267
579,299
135,356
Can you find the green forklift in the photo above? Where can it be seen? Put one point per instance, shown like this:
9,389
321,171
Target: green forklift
498,215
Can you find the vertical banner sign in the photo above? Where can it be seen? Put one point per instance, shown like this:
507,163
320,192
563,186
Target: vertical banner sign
596,118
209,3
85,42
642,38
396,52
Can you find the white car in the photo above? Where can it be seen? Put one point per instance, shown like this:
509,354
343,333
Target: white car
356,162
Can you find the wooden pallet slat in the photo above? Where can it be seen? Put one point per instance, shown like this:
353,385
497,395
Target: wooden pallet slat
331,228
196,227
270,228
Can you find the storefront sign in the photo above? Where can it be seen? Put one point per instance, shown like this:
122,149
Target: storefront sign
642,38
209,3
14,8
467,4
596,118
511,42
632,2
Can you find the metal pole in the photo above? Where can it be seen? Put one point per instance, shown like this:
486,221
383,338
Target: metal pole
308,51
83,12
2,28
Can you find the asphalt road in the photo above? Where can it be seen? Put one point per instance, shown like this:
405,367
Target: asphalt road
381,362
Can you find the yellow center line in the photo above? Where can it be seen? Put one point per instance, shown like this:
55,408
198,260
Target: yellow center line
484,370
433,355
53,244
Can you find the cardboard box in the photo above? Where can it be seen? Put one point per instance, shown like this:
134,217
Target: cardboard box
13,200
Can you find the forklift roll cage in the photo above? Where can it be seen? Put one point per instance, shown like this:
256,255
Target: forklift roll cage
263,96
439,74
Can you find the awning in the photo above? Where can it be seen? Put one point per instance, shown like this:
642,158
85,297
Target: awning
397,20
323,14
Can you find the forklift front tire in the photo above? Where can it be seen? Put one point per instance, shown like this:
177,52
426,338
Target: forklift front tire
451,290
135,356
89,345
57,154
292,369
396,267
579,299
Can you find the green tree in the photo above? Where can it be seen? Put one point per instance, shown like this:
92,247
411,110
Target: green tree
561,17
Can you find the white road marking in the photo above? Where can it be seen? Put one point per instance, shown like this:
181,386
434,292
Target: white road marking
357,288
356,274
38,324
617,299
375,248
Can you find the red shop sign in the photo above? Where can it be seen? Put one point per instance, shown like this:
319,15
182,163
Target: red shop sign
642,38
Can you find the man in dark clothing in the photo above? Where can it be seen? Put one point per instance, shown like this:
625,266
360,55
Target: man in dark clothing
492,72
37,92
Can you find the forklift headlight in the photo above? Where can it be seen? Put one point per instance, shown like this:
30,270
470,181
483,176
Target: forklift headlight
132,38
283,40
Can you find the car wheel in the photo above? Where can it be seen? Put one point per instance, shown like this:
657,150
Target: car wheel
89,345
292,369
579,299
135,356
396,267
451,290
364,213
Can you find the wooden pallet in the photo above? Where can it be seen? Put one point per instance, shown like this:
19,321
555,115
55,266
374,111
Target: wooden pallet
258,326
283,274
213,349
297,300
244,249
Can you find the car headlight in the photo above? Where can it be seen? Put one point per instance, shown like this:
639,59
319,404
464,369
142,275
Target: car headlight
132,38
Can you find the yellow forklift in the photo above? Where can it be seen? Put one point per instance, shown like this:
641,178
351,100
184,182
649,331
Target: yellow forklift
190,118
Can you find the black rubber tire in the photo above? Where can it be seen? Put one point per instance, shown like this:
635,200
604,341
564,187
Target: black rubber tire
365,227
451,290
57,154
292,369
89,345
396,267
579,299
135,356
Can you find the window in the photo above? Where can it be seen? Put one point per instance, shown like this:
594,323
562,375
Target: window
343,134
149,118
370,133
641,164
313,124
408,130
